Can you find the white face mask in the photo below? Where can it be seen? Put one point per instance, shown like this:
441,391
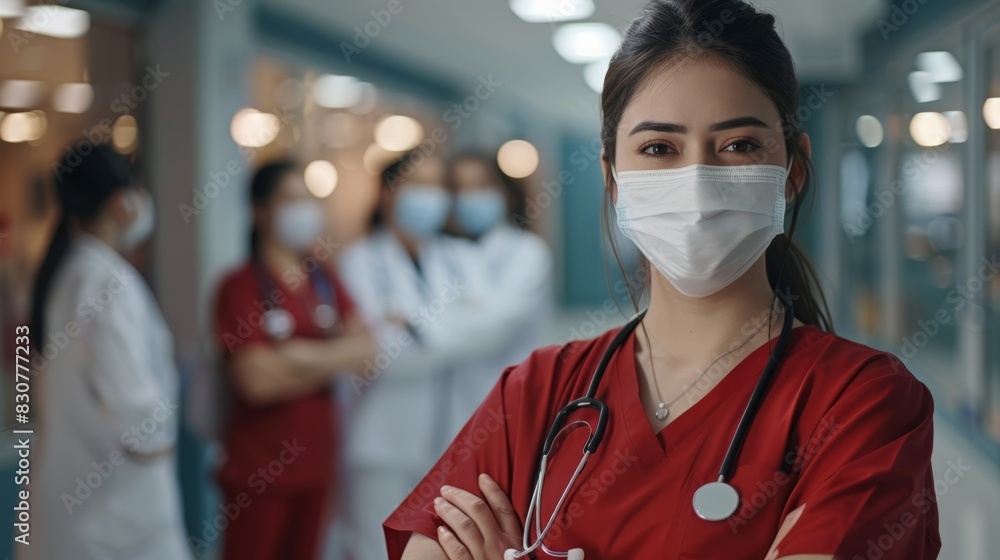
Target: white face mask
142,226
298,224
702,226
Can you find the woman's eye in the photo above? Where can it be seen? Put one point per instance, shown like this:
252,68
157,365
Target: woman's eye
742,145
656,149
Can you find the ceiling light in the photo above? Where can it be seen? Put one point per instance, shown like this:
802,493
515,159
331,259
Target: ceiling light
930,129
941,65
923,87
252,129
337,92
991,112
398,133
580,43
321,178
73,98
869,131
594,74
535,11
20,94
959,126
55,21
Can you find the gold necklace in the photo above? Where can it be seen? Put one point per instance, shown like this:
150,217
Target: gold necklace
663,409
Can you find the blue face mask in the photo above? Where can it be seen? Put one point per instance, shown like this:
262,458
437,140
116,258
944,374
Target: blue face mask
421,210
478,212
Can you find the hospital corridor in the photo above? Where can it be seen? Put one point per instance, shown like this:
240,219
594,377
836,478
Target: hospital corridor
500,279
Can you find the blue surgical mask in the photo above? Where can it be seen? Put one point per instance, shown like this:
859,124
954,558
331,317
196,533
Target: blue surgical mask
477,212
421,210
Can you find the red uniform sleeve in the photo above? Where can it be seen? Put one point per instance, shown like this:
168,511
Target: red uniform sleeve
868,489
238,315
483,446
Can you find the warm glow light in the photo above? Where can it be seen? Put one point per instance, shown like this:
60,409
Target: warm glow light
536,11
930,129
991,112
337,92
20,94
580,43
55,21
252,129
869,131
517,158
398,133
73,98
125,134
23,127
321,178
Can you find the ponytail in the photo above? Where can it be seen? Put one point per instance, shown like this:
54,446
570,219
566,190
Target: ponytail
54,256
790,272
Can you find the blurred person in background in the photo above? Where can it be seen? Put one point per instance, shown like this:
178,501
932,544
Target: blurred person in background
286,330
105,486
422,293
489,209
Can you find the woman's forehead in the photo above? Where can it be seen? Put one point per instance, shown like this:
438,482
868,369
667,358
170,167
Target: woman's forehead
696,93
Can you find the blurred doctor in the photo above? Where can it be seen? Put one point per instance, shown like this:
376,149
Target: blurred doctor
423,295
106,485
489,209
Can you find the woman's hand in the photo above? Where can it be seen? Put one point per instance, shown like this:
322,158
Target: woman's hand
477,529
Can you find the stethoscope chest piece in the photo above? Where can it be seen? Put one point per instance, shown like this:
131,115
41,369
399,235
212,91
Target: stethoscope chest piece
325,316
279,323
716,501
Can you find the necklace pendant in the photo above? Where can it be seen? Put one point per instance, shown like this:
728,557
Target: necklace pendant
662,412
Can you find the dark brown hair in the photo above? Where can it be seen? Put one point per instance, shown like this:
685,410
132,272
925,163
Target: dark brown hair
734,32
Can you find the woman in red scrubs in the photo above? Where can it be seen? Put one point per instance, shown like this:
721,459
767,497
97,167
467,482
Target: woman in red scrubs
702,152
286,329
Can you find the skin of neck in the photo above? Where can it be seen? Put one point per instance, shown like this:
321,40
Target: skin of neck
103,227
688,333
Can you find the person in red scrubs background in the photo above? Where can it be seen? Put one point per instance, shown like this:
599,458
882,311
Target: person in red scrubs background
286,329
703,152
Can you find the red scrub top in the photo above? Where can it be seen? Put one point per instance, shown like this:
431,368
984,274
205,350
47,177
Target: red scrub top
287,444
845,430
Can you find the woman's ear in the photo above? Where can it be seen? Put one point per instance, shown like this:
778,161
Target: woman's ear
797,175
605,171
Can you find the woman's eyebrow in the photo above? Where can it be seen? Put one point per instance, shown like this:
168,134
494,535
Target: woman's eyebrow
737,123
657,126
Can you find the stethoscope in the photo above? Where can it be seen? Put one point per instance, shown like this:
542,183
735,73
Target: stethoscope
278,322
714,501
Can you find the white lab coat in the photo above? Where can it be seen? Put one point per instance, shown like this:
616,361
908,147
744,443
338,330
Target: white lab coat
518,274
109,388
475,308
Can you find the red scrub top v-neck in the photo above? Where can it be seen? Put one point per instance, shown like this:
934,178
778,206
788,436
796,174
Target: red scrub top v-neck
844,429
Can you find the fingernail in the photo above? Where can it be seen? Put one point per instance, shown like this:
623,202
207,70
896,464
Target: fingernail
438,502
446,488
485,478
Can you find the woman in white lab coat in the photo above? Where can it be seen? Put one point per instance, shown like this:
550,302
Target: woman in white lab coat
427,300
489,209
105,399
